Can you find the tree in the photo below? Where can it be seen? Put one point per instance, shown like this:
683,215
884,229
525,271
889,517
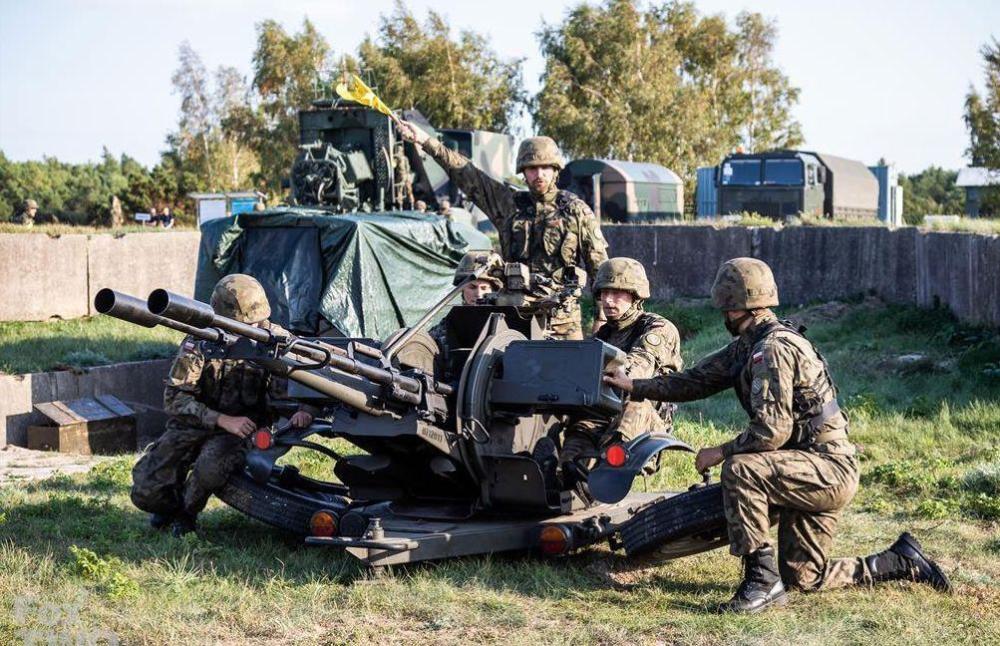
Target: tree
456,83
982,118
930,192
663,85
289,71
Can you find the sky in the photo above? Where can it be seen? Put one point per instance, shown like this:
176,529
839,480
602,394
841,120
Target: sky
878,78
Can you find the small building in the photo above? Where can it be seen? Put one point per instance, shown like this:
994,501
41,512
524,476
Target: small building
211,206
974,180
890,195
625,192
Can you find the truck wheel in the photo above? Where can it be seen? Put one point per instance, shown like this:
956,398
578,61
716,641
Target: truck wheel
682,525
270,503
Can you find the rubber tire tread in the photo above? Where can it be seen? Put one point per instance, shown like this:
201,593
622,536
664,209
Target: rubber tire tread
278,507
695,512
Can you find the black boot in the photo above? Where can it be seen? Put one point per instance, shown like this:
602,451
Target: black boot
160,521
761,586
906,561
183,524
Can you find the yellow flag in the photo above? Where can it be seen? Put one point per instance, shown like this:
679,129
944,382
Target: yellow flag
355,89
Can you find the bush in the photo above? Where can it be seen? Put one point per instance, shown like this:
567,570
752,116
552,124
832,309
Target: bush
109,574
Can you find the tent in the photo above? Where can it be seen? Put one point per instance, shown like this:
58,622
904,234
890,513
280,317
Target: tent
361,274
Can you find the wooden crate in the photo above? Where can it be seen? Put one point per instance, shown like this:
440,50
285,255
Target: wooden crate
100,425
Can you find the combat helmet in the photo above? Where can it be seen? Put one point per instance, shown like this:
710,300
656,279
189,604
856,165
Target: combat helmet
29,204
472,261
539,151
240,297
744,284
626,274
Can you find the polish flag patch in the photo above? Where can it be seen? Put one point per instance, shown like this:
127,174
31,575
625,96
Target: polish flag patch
758,357
188,346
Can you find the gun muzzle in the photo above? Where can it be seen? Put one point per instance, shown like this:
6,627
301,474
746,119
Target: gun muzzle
134,310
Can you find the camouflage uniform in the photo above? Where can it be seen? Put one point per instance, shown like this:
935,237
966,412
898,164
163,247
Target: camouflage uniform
194,457
652,344
27,214
547,232
402,179
784,385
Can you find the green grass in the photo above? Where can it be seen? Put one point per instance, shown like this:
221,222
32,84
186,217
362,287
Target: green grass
80,343
931,464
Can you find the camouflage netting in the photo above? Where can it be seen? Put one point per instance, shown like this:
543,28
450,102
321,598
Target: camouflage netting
365,274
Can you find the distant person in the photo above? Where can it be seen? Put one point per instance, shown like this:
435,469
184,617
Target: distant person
29,208
167,218
259,206
154,217
421,206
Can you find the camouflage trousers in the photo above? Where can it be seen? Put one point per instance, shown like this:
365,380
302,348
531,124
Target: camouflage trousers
806,491
588,435
183,468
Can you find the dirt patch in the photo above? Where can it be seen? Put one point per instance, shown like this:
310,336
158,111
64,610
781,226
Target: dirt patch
18,464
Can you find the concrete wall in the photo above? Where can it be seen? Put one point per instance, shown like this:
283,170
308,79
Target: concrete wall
908,266
42,276
138,384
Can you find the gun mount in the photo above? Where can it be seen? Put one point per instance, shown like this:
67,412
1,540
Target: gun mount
454,430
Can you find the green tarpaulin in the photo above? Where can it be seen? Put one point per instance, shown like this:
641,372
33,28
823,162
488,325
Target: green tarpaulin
366,275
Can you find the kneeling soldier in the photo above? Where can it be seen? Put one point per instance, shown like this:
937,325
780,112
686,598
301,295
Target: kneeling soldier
794,458
214,406
653,348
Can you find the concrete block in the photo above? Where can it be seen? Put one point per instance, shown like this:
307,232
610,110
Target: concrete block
138,263
43,276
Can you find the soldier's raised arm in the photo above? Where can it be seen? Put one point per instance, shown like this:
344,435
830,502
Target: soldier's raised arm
494,197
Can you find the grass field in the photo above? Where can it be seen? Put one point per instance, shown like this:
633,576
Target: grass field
76,558
80,343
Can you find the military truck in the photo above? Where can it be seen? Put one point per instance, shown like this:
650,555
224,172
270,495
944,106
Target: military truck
346,164
625,192
784,183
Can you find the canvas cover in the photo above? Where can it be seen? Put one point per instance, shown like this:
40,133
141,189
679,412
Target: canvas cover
366,275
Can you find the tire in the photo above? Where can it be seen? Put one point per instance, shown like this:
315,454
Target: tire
286,509
682,525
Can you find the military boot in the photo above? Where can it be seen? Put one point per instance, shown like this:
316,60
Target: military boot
906,561
183,524
160,521
761,586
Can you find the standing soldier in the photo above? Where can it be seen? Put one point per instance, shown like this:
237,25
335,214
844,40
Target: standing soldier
27,215
794,458
551,231
214,405
402,178
653,348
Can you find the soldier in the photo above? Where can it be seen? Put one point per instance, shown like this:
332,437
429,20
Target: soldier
402,178
444,208
214,405
27,215
653,347
471,293
794,458
547,229
420,206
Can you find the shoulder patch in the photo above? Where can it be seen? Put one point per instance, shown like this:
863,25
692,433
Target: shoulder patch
758,357
189,345
653,339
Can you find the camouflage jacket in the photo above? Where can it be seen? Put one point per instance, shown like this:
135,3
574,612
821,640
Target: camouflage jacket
651,341
198,390
545,233
23,218
781,381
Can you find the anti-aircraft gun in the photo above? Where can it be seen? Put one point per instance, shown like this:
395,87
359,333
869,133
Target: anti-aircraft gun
458,443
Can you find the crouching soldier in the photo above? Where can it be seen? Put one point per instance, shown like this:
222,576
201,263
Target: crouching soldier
652,345
794,459
214,406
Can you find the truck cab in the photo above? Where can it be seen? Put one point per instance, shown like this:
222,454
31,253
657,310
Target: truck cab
776,184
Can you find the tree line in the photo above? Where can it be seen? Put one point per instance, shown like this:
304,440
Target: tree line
660,83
